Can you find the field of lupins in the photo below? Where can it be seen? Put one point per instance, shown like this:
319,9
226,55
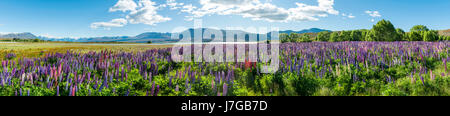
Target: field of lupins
306,69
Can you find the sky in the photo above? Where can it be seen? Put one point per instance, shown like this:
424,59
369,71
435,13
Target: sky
96,18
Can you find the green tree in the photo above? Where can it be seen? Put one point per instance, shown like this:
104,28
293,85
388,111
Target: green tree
334,37
323,36
401,34
356,35
344,36
293,37
36,40
364,33
442,38
304,38
284,37
384,31
370,36
419,28
414,36
430,35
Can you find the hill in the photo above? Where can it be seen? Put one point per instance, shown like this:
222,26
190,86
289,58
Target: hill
18,36
312,30
445,32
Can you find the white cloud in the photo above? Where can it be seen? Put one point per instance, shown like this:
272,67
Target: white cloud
146,11
107,25
188,8
265,11
147,14
124,5
50,36
143,12
305,12
372,20
351,16
173,4
373,13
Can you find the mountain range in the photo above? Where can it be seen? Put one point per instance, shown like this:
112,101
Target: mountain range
154,37
25,35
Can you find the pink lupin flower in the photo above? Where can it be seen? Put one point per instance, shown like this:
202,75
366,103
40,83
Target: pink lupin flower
60,69
431,74
212,83
73,90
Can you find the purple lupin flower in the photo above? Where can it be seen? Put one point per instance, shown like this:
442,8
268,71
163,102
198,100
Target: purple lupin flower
170,82
103,84
187,89
153,88
123,73
145,75
423,81
128,92
157,90
70,91
126,77
225,89
57,90
445,65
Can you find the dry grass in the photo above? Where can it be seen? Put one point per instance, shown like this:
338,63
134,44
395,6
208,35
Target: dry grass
31,50
445,32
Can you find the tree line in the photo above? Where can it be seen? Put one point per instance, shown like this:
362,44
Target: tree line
22,40
384,30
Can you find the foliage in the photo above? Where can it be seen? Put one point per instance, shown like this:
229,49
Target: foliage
384,30
323,36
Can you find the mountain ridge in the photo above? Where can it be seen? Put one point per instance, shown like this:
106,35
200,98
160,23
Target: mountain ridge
24,35
154,37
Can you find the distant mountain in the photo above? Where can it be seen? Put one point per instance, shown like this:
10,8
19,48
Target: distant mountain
104,39
153,35
157,37
18,36
57,39
312,30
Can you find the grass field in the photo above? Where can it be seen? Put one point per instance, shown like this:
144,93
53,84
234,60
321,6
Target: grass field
32,50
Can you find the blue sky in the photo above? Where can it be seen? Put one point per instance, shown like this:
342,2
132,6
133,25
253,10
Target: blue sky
92,18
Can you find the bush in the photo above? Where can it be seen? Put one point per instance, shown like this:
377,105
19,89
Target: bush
10,56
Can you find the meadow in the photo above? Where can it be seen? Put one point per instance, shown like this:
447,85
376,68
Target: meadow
306,69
